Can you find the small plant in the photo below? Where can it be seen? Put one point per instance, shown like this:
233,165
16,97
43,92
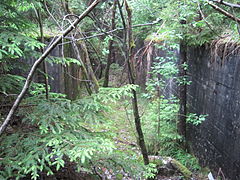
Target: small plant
188,160
150,171
195,119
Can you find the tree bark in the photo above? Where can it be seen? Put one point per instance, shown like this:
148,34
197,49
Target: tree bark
110,48
130,56
39,61
181,124
84,69
89,67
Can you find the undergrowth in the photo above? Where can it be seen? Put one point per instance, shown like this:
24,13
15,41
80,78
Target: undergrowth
57,131
161,112
160,130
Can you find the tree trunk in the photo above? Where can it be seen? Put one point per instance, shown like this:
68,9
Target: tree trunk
84,70
110,48
87,66
130,56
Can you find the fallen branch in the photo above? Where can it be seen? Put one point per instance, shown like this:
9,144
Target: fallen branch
226,3
181,168
38,62
222,11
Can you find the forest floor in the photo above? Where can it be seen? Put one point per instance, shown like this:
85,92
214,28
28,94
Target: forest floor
126,139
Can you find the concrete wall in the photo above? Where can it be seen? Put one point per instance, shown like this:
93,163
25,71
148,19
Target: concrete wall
145,63
215,90
62,79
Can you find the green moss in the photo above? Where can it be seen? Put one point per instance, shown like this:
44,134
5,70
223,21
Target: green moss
119,176
132,44
155,160
183,170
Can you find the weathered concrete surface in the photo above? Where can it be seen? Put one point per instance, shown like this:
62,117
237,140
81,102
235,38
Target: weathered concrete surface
215,90
154,55
64,79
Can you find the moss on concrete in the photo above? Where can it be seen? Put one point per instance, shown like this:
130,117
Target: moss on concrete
182,169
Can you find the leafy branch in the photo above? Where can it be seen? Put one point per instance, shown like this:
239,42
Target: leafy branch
38,62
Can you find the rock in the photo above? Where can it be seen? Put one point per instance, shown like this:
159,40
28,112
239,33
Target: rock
158,160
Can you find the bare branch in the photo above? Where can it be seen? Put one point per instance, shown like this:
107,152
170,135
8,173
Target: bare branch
204,18
112,31
52,15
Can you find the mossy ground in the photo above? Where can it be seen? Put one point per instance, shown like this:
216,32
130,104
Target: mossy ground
126,137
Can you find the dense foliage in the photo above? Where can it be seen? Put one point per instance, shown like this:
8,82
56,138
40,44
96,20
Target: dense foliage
48,134
58,131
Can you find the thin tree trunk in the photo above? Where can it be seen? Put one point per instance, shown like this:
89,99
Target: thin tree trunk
84,70
130,56
39,61
88,64
42,50
181,125
110,48
89,67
